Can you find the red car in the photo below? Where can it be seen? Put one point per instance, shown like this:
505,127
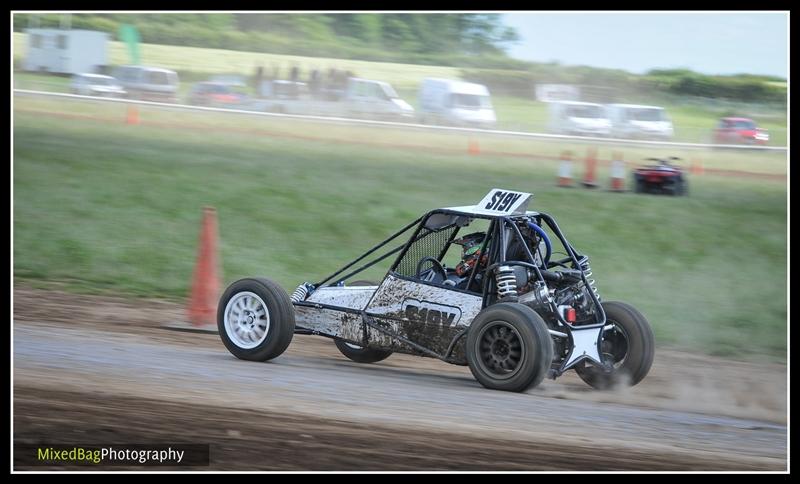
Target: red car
739,131
217,94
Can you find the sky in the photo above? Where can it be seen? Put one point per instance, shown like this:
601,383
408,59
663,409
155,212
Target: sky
710,43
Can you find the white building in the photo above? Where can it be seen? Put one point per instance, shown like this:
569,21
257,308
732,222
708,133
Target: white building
66,51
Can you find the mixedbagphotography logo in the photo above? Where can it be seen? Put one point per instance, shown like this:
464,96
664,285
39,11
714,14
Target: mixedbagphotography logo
112,455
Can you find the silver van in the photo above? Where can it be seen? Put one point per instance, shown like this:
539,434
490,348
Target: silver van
367,98
456,103
148,83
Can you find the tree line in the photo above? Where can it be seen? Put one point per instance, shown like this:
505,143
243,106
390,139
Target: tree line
436,39
475,42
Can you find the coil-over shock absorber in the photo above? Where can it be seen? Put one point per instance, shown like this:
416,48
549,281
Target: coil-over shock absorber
506,282
302,292
587,272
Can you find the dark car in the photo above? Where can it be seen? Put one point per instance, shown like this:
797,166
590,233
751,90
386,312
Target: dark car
739,131
217,94
662,178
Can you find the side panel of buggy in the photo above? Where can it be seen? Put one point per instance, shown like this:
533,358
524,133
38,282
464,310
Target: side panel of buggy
403,313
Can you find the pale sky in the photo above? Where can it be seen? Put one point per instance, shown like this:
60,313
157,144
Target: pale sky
710,43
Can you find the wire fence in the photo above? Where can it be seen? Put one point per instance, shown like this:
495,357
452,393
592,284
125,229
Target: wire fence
411,125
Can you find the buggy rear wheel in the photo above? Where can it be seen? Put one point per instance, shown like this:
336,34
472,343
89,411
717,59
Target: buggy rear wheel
358,353
255,318
628,345
509,347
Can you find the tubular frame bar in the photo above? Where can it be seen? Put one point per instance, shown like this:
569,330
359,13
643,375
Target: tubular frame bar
370,251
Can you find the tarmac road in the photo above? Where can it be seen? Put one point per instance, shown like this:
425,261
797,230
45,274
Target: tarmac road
311,409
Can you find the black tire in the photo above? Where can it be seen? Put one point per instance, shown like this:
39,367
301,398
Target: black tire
638,186
357,353
632,348
280,327
493,336
683,187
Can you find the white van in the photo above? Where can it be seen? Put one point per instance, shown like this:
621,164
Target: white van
636,121
578,118
359,98
459,103
375,99
148,83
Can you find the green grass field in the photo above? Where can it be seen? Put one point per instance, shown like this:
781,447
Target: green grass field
398,139
692,123
109,207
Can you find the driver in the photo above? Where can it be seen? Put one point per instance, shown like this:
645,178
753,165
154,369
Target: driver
470,253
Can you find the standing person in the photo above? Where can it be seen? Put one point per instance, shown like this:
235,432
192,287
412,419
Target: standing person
258,79
332,96
341,82
313,83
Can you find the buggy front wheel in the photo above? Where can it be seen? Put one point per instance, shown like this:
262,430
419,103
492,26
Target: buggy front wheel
255,318
509,347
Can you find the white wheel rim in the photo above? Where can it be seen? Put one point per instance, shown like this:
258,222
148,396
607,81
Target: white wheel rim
351,345
246,320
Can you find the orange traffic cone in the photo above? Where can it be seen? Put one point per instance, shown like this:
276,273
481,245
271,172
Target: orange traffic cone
205,283
591,166
132,116
474,148
697,167
202,310
617,173
565,170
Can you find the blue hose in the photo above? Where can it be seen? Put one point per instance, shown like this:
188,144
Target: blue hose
546,239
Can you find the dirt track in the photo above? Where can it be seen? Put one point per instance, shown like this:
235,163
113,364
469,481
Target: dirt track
101,369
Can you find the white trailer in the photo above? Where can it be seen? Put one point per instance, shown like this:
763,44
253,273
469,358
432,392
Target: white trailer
66,51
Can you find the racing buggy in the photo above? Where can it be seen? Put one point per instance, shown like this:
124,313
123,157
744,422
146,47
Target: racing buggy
500,299
663,178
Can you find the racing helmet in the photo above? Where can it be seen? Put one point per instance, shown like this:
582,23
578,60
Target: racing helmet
470,252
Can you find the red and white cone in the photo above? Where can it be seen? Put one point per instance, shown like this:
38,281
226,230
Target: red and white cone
565,170
617,174
591,167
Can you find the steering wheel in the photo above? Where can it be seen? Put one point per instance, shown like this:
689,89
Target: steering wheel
437,267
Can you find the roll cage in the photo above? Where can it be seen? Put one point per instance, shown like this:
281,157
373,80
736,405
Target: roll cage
434,232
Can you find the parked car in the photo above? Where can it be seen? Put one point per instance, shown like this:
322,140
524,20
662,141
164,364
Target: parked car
217,94
642,122
361,98
96,85
578,118
458,103
367,98
148,83
739,131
